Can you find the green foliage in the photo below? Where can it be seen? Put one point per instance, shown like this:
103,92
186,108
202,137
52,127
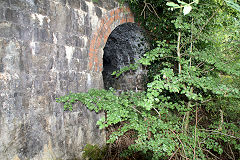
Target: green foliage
191,106
94,152
232,4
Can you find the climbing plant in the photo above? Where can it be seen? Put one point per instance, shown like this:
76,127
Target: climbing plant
191,106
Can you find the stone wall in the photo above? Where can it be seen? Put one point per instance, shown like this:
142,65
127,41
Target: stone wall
47,49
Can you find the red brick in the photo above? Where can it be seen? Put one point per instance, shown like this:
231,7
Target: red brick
130,19
121,9
123,20
105,38
92,49
101,33
95,59
108,32
111,20
98,43
92,43
116,16
117,11
112,13
100,67
90,65
128,9
90,54
131,15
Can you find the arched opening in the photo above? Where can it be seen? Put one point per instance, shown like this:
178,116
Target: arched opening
124,46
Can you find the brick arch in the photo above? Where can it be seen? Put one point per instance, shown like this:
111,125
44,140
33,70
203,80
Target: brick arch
108,23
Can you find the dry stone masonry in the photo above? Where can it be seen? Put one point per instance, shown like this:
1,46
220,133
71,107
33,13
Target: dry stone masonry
47,49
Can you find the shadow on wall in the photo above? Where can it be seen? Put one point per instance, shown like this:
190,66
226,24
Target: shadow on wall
125,45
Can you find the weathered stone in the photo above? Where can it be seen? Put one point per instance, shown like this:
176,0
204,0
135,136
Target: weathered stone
61,1
4,3
44,54
110,4
16,31
74,3
43,6
21,4
12,15
98,12
26,19
84,6
2,14
26,33
86,20
87,31
43,35
98,3
5,30
1,67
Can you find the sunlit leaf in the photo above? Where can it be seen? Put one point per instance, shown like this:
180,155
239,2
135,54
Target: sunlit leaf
171,4
187,9
183,3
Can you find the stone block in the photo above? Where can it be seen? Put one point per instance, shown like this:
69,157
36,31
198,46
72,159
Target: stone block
21,5
63,76
50,64
1,66
5,29
43,35
63,2
49,86
9,30
110,4
74,3
16,31
98,12
60,38
77,41
2,14
4,3
26,19
84,6
87,21
77,54
43,6
59,20
64,86
82,65
80,54
61,62
87,31
26,33
98,3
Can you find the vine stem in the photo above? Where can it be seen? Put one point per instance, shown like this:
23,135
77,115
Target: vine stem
173,154
217,132
201,29
180,142
221,120
179,49
187,115
179,52
195,136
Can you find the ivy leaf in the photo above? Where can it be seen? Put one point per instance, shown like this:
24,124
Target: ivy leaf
187,9
171,4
